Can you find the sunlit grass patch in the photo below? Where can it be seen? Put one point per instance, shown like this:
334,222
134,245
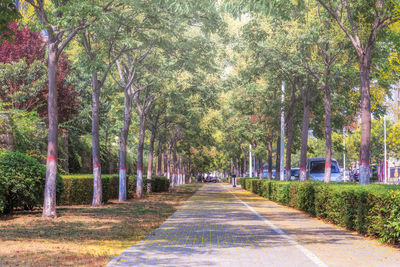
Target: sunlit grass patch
82,235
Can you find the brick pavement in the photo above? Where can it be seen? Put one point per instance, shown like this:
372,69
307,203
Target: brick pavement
223,226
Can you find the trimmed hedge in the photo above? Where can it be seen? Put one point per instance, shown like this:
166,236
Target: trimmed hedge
22,180
78,188
372,210
159,184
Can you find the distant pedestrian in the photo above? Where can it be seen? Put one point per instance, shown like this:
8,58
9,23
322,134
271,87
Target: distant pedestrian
234,180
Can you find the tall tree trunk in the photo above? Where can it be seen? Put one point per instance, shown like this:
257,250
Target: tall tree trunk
244,164
64,153
49,203
237,167
142,110
189,171
123,142
304,138
159,159
180,164
270,158
278,158
289,146
365,63
97,190
183,171
290,122
139,173
57,40
107,149
178,169
165,166
255,169
174,164
151,151
328,130
169,162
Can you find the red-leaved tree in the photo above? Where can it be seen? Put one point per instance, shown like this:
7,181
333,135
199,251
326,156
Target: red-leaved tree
31,46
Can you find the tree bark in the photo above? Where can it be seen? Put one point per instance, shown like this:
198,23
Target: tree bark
237,167
255,166
64,154
304,137
244,164
55,45
159,159
328,129
142,110
139,173
168,165
365,63
122,195
180,164
364,51
174,168
107,149
151,152
97,190
165,168
49,203
278,158
183,171
270,158
290,122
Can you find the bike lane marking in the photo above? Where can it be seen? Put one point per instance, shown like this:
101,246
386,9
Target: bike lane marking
280,232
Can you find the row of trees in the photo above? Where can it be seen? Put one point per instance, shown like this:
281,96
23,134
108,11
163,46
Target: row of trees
202,78
337,60
152,58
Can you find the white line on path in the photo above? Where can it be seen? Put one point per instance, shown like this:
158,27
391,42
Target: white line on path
305,251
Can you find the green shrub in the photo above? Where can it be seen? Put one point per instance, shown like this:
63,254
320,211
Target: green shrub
306,197
78,188
242,181
22,180
372,210
159,184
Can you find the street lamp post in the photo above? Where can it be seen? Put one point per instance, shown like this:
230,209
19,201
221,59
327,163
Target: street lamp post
250,163
344,154
384,133
282,173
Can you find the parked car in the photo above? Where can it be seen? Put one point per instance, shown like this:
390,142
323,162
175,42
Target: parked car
211,179
316,169
274,174
295,172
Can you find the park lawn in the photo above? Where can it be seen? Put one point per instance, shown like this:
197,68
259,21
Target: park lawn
83,235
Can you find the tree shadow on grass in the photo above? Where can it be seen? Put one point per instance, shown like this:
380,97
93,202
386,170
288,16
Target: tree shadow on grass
98,231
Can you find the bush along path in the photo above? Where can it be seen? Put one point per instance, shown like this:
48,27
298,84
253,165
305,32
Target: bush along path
372,210
225,226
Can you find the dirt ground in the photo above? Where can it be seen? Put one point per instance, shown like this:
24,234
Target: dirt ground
83,235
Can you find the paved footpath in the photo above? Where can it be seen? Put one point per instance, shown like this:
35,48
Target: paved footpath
225,226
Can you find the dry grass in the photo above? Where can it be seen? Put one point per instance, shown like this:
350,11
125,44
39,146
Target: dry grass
82,235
